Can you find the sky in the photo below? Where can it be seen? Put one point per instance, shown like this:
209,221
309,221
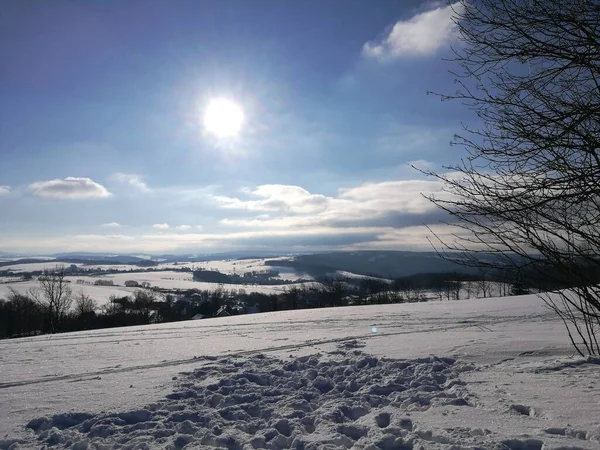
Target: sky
105,146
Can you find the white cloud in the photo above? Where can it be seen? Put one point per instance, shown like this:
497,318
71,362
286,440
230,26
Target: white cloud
103,237
71,188
199,238
199,227
277,197
4,190
292,206
111,225
374,215
421,35
308,238
393,196
132,180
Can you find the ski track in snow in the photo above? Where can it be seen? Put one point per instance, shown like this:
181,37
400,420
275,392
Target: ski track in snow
194,359
315,379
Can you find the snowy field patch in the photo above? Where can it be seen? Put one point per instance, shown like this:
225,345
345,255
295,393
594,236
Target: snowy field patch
503,377
241,266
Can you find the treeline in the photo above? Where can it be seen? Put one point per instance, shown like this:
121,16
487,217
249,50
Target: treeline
74,270
268,277
52,308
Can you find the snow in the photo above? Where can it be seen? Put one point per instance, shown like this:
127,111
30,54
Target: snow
240,266
16,258
162,279
32,267
483,373
122,267
179,280
98,293
346,274
176,280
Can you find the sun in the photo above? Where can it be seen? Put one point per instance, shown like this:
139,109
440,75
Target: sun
223,118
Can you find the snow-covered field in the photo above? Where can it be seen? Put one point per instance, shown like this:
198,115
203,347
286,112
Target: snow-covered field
98,293
240,266
175,280
482,373
163,279
227,266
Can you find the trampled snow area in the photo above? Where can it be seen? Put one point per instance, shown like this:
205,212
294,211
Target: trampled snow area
481,373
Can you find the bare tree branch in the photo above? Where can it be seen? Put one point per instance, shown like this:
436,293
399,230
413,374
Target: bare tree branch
528,191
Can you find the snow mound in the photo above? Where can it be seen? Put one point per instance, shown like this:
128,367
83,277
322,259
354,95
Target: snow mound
313,402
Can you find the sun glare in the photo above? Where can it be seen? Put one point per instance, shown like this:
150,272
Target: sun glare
223,118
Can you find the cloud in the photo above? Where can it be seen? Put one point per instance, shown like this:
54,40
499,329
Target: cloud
132,180
4,190
393,203
71,188
415,238
421,35
277,197
111,225
311,238
378,215
103,237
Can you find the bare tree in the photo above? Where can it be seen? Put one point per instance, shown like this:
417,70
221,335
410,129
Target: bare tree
528,191
457,287
22,313
54,294
333,289
84,304
114,306
452,289
484,286
292,297
143,301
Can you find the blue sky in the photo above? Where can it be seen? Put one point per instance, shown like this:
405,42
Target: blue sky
103,146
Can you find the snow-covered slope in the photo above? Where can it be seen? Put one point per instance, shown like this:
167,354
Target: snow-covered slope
486,373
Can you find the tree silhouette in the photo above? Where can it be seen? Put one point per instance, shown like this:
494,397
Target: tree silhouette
528,191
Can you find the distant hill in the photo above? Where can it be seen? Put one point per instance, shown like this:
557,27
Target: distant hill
89,259
110,258
250,254
386,264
